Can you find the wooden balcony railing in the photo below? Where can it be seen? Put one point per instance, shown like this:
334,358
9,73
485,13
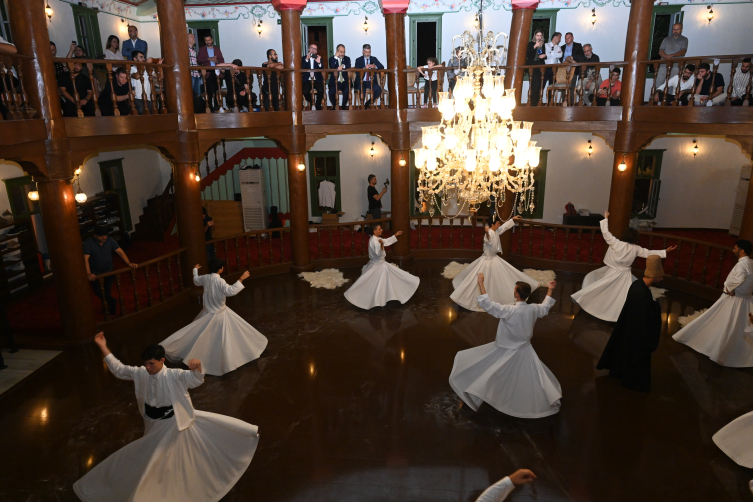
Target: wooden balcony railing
152,283
256,249
343,240
358,90
734,93
14,103
222,88
571,84
102,79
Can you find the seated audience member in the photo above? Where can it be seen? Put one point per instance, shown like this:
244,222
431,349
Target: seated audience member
142,98
430,73
685,82
313,80
367,61
270,87
553,53
78,52
134,43
709,89
112,51
60,68
121,89
238,80
609,90
589,78
742,84
84,89
339,62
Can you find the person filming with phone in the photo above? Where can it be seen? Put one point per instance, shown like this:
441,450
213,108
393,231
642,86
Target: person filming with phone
375,197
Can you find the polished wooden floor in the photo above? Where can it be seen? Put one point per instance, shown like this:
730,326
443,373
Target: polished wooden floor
355,405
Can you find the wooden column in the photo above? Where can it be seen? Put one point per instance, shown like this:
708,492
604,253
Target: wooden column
395,32
522,17
299,212
290,12
174,40
400,185
746,228
626,139
189,218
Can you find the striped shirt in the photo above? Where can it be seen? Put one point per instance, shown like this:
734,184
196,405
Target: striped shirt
740,84
192,61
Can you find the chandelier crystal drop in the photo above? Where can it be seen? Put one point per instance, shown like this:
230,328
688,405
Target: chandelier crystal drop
477,151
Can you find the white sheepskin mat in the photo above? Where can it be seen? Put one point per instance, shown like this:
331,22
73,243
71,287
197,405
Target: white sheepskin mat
543,276
657,292
329,278
686,319
453,269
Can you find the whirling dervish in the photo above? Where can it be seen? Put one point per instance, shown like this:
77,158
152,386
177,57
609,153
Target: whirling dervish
185,454
380,281
501,275
605,289
719,333
736,440
219,337
507,374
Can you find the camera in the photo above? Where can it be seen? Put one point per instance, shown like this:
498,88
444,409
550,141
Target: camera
386,182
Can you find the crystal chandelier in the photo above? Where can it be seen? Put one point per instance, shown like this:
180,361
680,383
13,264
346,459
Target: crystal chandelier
477,152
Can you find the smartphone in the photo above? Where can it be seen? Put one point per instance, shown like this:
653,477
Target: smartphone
74,42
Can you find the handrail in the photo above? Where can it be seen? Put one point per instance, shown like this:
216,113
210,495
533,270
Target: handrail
595,63
141,265
720,58
15,55
248,234
114,62
255,68
350,223
685,239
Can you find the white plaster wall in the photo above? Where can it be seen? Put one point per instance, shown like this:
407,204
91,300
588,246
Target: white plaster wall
698,192
355,166
239,40
348,30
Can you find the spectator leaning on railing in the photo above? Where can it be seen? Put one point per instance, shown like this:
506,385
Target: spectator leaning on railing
553,56
430,80
236,79
83,86
313,80
122,92
673,46
703,91
211,55
572,52
604,93
195,74
740,84
142,97
341,63
271,84
455,62
589,77
367,61
60,68
685,83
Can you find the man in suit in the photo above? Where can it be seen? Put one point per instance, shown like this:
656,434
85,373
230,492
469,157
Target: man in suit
572,52
339,62
369,82
313,79
134,43
210,55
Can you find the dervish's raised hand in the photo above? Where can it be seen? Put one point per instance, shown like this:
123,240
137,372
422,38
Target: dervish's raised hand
399,232
516,218
99,339
480,278
552,284
245,276
194,365
606,214
522,476
671,248
197,266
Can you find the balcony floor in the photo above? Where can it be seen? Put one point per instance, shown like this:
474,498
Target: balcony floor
341,416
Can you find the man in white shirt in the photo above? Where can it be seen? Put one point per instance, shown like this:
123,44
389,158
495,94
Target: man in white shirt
685,82
741,84
142,93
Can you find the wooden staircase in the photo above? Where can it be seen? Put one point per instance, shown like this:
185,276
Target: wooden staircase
158,219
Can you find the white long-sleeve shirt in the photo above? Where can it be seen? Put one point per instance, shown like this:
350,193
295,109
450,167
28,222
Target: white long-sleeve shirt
216,290
327,194
685,85
553,53
168,387
492,245
376,253
498,491
136,84
740,278
621,255
516,323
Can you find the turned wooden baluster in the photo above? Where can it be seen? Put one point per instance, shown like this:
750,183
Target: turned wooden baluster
159,281
235,108
163,101
151,77
105,307
205,78
451,221
530,240
692,254
218,95
342,244
577,251
691,99
554,242
140,70
719,268
9,104
120,295
15,97
28,110
705,265
135,291
331,252
113,96
148,285
352,241
541,244
441,226
282,249
170,276
520,238
419,233
248,251
180,276
431,231
76,97
94,85
258,248
363,243
319,240
677,258
131,95
237,256
462,227
746,97
591,246
567,242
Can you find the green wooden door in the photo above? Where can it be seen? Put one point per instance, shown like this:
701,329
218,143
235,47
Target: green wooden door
113,180
87,31
324,166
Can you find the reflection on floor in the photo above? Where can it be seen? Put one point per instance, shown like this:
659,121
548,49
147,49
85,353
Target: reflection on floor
21,364
356,405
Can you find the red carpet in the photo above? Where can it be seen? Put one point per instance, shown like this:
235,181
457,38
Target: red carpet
696,262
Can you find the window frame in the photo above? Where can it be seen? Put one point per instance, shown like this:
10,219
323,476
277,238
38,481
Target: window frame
677,17
539,179
30,207
5,30
550,14
314,188
93,24
414,19
656,177
327,22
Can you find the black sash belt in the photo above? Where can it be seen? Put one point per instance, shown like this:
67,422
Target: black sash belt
158,413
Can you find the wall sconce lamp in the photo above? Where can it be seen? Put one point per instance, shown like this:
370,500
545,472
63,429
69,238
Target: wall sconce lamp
80,196
622,167
710,14
401,162
593,16
197,175
259,27
48,11
590,148
695,148
366,24
301,166
33,195
372,151
77,172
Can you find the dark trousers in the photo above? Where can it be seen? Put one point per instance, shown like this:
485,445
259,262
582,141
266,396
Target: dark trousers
671,98
210,252
97,288
548,76
452,82
433,86
341,86
603,102
368,85
738,102
317,85
140,106
376,213
212,90
6,337
535,83
275,89
70,110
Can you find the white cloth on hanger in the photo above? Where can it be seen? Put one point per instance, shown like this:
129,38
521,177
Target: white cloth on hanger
327,194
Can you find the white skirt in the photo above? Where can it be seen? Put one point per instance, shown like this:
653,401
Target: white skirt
604,292
719,333
222,341
513,381
200,464
736,440
499,279
380,283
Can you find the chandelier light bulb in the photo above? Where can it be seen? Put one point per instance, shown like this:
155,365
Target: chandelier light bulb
533,156
431,162
301,166
470,160
494,161
80,197
622,167
33,195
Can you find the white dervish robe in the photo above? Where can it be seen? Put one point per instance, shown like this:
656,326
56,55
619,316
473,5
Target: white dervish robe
218,337
507,374
500,276
193,455
736,440
498,491
719,332
604,290
380,281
